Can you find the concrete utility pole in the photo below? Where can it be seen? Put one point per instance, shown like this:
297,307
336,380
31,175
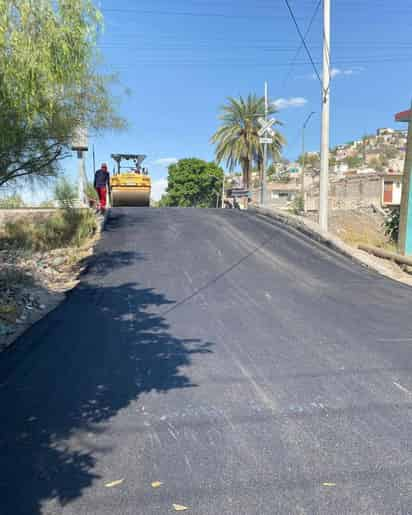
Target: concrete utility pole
94,161
82,178
324,149
405,223
80,145
223,192
265,153
302,183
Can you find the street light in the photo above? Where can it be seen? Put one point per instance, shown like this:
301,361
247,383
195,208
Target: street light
302,181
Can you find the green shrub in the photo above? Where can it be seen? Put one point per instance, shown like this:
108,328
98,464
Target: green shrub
65,193
391,225
297,205
91,192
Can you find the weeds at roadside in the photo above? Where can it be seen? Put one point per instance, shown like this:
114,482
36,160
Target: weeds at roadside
68,228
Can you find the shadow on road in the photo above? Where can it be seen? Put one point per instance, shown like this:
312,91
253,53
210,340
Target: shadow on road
92,357
108,261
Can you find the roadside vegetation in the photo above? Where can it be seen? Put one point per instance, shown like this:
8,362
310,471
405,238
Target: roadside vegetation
41,256
391,225
11,202
193,183
67,227
49,84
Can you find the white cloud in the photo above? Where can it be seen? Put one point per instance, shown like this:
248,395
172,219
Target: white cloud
165,161
334,72
285,103
158,188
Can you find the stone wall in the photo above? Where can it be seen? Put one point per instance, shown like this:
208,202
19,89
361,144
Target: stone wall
349,193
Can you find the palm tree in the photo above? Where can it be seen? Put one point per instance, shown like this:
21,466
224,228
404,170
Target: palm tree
237,139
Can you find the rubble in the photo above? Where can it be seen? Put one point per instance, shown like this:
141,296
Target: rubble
31,284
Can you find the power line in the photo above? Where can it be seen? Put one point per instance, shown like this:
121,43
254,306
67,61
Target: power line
303,40
190,13
315,12
210,62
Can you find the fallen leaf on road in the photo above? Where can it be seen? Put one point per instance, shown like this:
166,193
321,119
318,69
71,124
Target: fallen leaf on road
114,483
328,484
8,308
179,507
156,484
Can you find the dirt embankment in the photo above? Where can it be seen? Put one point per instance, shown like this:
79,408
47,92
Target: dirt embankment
34,281
367,227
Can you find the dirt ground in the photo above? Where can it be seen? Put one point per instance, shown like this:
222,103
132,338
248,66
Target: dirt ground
366,227
356,227
32,284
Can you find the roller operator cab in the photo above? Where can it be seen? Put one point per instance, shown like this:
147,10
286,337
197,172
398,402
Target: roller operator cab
130,185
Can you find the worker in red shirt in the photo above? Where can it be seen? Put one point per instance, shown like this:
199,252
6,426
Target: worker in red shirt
101,185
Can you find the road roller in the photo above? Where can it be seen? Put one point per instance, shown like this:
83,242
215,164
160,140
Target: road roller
130,185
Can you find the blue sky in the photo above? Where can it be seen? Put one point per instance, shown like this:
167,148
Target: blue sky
182,59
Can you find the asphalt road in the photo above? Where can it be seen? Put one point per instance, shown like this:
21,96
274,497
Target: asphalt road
247,369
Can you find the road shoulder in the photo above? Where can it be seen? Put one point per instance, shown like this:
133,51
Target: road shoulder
313,231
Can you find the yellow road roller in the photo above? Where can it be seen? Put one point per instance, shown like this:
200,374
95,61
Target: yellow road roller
130,185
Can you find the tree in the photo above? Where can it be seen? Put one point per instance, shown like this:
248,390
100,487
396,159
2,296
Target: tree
237,140
389,152
275,174
353,161
193,183
310,159
48,83
376,164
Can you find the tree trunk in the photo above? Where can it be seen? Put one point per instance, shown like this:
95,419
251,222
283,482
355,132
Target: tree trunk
245,173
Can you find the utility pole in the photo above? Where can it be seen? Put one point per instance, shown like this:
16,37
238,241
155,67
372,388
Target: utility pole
80,145
405,222
82,176
223,191
265,154
94,161
302,183
324,149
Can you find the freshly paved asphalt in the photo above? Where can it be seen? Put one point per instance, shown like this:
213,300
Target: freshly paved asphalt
246,368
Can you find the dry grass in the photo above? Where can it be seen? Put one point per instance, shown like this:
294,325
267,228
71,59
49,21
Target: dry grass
359,227
65,228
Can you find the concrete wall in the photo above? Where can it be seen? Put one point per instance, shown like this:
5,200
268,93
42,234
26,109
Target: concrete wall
350,193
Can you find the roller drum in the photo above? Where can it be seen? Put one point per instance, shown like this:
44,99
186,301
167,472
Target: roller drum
130,198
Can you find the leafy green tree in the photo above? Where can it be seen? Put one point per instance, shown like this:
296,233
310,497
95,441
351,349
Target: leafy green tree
48,83
162,202
193,183
237,140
